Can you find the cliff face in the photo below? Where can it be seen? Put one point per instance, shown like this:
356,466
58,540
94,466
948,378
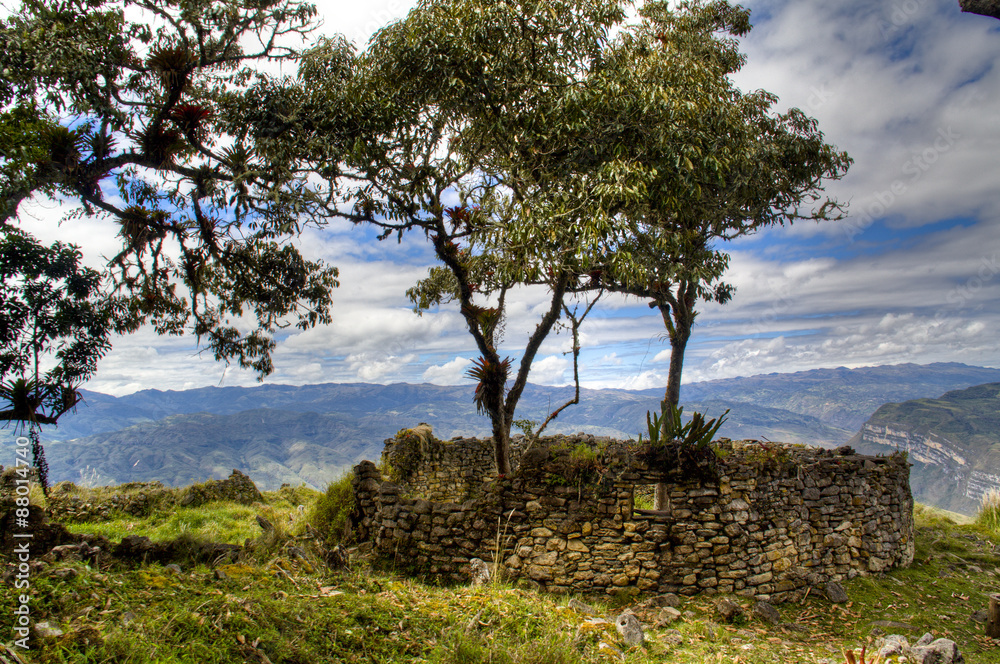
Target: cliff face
953,443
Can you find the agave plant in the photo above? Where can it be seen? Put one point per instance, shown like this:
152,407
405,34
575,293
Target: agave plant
667,426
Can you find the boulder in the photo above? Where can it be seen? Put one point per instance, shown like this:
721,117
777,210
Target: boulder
766,612
941,651
630,629
728,610
836,593
479,572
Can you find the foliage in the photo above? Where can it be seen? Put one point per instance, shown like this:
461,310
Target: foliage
329,513
668,426
55,325
698,161
451,100
526,426
407,452
155,116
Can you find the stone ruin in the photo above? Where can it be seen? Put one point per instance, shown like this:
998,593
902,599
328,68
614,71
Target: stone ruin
750,518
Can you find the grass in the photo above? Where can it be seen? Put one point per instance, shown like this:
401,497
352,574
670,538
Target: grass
279,608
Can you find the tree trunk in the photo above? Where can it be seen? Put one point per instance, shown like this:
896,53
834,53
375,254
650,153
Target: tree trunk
501,444
680,332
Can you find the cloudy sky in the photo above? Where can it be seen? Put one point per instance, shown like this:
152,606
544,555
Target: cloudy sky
907,87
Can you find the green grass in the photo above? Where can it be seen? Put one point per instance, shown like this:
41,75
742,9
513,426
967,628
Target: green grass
218,521
273,607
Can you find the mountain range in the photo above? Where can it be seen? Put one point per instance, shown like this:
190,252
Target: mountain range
953,443
312,433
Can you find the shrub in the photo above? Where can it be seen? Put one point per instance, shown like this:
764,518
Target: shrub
989,512
330,511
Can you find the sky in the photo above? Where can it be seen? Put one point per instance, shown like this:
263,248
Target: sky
908,88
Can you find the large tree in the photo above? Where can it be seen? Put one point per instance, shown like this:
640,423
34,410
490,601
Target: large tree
450,98
55,324
155,115
713,163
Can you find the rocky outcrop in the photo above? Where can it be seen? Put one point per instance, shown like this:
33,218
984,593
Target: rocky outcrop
953,443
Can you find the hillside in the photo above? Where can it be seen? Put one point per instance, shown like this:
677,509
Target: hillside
953,442
312,433
279,602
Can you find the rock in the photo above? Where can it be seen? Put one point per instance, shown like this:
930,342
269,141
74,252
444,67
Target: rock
766,612
892,645
673,637
65,573
630,629
580,607
44,629
479,572
337,558
925,640
220,575
667,615
237,487
610,651
836,593
668,599
942,651
71,552
728,609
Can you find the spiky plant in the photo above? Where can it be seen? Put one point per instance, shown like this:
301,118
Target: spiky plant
492,377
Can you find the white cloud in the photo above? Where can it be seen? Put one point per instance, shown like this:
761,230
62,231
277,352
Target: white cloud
550,370
375,367
450,373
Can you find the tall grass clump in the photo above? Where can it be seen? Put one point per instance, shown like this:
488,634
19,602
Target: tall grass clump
989,512
329,513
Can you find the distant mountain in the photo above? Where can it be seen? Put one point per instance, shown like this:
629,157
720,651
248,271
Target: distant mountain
311,433
953,443
843,397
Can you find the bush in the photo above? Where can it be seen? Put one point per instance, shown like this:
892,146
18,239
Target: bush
989,512
330,511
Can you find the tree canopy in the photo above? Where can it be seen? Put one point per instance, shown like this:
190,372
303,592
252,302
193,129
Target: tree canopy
155,114
450,97
710,163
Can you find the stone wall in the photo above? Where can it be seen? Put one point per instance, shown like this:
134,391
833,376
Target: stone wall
748,518
453,470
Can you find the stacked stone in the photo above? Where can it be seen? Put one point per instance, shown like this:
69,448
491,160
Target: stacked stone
770,522
452,470
238,488
365,483
135,498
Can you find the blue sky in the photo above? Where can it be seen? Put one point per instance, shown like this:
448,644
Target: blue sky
909,88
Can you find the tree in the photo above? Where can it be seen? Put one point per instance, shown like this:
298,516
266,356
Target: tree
982,7
55,324
152,113
448,99
712,163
